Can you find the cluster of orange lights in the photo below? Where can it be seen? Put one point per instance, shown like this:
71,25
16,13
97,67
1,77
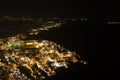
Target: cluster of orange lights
33,59
38,57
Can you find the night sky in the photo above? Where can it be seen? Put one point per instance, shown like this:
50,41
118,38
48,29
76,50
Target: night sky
43,8
59,8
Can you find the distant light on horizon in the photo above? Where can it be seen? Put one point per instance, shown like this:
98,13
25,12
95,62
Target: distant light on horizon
83,19
113,22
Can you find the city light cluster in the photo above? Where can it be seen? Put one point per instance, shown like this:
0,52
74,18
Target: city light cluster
33,59
44,28
29,59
